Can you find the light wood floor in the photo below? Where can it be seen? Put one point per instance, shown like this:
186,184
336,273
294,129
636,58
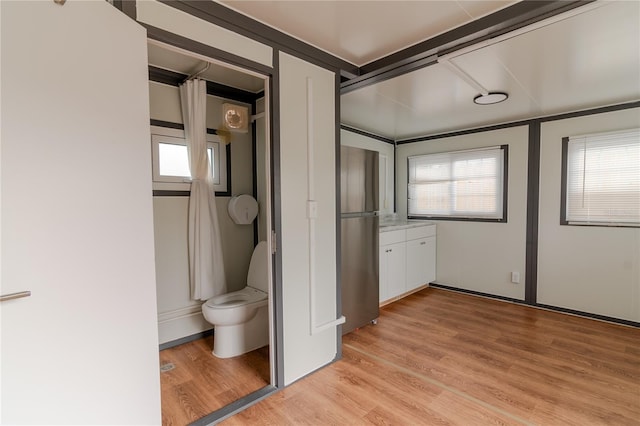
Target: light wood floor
439,357
200,383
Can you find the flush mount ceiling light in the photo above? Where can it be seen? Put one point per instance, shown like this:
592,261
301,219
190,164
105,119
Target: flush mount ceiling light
490,98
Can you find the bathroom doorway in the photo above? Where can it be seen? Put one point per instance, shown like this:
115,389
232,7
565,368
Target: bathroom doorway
195,382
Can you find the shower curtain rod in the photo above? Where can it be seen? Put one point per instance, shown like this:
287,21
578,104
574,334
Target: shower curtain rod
197,73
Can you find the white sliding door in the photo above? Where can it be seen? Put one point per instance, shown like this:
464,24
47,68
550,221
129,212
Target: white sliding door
77,223
307,145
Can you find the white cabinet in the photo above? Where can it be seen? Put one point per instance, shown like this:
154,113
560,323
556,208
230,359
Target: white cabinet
392,270
421,262
407,260
421,256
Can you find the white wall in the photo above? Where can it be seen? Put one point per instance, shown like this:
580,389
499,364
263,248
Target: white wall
178,315
479,256
308,246
387,165
587,268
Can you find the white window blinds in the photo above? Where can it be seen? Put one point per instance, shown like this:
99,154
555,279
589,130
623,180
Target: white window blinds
460,184
603,178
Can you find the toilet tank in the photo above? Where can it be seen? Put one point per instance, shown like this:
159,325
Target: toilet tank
258,276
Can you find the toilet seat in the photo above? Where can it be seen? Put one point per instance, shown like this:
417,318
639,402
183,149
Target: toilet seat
246,296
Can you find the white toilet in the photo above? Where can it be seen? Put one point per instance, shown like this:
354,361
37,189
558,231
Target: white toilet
240,318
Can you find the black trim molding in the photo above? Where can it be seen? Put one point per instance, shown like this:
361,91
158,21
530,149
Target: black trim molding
588,315
563,196
186,339
224,17
505,196
537,305
235,407
476,293
533,205
172,78
170,125
563,116
563,181
170,193
189,45
367,134
425,53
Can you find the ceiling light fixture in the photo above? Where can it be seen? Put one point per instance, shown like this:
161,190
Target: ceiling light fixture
490,98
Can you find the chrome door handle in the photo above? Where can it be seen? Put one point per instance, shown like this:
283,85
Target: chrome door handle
12,296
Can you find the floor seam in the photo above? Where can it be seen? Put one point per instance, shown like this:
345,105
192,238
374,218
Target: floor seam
442,386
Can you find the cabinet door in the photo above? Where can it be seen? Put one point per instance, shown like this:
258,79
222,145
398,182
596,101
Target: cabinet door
396,269
421,262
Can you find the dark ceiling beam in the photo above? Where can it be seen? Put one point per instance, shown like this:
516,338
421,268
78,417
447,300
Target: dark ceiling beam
172,78
426,53
222,16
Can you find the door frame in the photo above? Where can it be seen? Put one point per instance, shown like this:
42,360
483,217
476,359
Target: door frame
272,107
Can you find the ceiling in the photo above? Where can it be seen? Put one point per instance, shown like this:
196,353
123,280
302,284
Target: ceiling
589,59
363,31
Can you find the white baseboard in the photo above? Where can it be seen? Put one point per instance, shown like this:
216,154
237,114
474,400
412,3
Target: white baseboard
179,323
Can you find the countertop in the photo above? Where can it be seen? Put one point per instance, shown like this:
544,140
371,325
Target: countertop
396,224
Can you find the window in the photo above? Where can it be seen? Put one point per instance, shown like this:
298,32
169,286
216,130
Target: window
459,185
601,179
171,162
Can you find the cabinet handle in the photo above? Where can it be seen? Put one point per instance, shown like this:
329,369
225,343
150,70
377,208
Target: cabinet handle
390,250
423,243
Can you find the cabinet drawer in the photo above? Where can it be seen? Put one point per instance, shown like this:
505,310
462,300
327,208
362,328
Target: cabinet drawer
392,237
421,232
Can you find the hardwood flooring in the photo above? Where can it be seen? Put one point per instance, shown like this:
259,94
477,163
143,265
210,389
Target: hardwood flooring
440,357
200,383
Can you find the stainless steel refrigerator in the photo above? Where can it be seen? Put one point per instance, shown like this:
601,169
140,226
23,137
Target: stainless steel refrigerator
359,245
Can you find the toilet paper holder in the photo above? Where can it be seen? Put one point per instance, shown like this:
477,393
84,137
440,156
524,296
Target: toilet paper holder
243,209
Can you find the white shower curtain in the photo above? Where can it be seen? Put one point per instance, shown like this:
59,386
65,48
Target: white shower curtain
206,267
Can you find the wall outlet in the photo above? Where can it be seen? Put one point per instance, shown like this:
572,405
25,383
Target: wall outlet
515,277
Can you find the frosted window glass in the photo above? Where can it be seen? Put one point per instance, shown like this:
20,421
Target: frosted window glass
174,160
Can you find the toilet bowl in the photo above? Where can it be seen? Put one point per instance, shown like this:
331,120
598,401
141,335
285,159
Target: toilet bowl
240,318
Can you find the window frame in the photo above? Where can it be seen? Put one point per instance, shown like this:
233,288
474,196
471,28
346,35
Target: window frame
176,136
564,189
505,189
